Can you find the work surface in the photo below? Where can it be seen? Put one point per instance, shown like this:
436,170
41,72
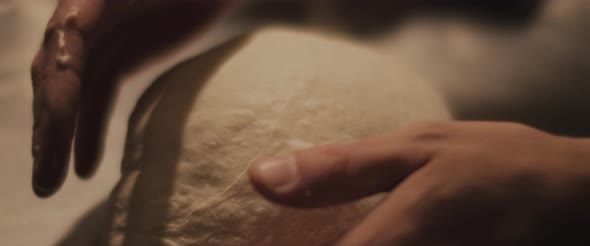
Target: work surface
536,75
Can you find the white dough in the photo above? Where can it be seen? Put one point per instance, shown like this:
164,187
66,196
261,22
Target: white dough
184,180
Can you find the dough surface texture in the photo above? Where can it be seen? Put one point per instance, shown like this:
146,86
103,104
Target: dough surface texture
184,176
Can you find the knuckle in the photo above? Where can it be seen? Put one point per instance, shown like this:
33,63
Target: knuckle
336,159
62,101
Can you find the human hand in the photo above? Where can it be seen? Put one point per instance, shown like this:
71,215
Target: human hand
449,183
87,45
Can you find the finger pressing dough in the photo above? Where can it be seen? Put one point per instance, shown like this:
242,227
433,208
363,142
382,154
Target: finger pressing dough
202,124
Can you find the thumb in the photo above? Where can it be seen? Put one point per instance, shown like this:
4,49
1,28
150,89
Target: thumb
338,173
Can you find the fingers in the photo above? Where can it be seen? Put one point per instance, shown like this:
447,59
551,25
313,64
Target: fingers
56,82
71,31
399,219
339,173
391,224
117,50
95,105
55,113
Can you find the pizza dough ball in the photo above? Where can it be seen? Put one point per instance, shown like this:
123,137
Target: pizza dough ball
205,121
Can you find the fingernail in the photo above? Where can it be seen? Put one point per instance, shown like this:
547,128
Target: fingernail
279,173
49,173
85,162
44,181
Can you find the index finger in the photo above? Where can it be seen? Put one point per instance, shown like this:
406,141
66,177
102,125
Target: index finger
338,173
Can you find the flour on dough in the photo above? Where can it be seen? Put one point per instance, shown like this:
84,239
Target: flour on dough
275,91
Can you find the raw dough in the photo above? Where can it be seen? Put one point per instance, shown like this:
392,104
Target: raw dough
199,127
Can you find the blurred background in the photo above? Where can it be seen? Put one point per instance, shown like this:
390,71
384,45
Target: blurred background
526,61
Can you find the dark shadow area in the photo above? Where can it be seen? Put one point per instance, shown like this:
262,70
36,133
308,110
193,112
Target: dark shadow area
538,76
155,136
86,230
374,17
563,109
551,224
284,11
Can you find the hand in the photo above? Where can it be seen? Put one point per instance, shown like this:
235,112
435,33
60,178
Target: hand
449,183
87,44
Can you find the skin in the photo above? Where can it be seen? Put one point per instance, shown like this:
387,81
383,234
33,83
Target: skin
72,95
447,183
